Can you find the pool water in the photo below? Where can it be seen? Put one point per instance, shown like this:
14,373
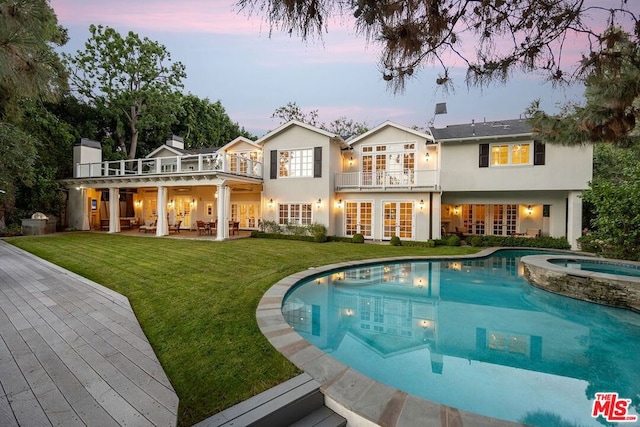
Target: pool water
597,266
472,334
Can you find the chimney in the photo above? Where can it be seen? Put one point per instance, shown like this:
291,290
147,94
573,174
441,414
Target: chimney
175,141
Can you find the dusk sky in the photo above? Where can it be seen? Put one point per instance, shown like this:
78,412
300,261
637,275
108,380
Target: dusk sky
231,57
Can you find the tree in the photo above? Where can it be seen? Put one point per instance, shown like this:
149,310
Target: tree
292,111
129,80
499,36
341,126
612,93
30,69
614,198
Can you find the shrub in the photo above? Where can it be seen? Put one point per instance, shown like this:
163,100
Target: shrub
431,243
254,233
357,238
395,241
476,241
453,240
318,231
271,227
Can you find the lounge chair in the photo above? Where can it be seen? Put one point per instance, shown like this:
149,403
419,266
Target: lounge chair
531,233
175,227
149,226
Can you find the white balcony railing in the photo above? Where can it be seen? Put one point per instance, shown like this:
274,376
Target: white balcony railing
228,163
388,179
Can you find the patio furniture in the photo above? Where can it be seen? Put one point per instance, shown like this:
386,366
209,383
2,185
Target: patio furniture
203,228
234,227
149,226
461,232
175,227
532,233
104,224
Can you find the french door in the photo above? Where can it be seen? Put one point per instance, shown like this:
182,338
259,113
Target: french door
246,214
358,218
397,220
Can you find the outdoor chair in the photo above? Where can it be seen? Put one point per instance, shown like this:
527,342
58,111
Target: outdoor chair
175,227
202,228
532,233
149,226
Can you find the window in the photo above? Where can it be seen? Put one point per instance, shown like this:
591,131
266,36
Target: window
295,163
294,213
510,154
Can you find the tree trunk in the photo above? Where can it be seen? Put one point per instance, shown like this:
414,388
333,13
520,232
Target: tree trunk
134,133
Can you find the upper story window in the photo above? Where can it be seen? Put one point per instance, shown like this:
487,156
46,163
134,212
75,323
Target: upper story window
295,163
510,154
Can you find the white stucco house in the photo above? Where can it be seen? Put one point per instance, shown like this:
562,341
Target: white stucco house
487,178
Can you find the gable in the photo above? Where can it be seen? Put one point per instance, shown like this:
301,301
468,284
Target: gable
164,151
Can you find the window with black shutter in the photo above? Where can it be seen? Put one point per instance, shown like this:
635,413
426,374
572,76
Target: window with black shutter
317,162
274,164
483,158
538,153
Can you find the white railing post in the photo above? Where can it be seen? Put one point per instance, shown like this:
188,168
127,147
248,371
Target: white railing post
199,162
122,165
139,166
178,164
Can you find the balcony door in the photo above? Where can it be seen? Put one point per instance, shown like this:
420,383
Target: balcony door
397,220
358,218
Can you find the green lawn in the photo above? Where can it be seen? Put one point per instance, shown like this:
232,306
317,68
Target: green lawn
196,302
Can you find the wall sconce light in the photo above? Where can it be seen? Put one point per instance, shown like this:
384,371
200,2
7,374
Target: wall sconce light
426,157
215,195
421,204
319,203
193,202
351,161
270,204
339,203
455,209
170,204
529,210
138,203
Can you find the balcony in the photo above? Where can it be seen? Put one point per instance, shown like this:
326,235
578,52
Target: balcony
179,165
388,180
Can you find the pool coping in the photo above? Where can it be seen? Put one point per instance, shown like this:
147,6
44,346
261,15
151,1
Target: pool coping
358,398
609,289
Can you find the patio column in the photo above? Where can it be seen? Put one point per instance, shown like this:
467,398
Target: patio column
162,226
223,219
574,218
436,216
86,210
114,210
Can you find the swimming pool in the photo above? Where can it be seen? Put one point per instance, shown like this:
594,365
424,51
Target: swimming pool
472,334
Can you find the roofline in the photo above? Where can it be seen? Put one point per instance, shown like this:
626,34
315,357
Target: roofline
290,123
395,125
164,146
480,138
236,140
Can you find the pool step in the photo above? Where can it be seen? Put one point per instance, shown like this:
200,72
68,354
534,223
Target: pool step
296,402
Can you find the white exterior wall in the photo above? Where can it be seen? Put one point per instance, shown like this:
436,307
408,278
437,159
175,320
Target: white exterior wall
565,168
303,189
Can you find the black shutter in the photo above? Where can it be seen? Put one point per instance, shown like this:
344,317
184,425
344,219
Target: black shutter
317,162
538,153
483,159
274,164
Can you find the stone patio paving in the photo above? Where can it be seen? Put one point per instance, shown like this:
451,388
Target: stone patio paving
72,352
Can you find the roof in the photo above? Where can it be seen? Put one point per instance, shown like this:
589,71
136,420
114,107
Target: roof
390,124
483,130
271,134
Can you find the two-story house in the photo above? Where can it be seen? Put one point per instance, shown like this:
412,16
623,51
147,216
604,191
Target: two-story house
489,178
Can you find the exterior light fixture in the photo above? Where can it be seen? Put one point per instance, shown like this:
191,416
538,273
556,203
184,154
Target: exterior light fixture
339,203
351,161
270,204
529,210
421,204
455,209
319,203
426,157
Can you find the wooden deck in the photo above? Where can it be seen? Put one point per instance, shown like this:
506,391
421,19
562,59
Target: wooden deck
72,352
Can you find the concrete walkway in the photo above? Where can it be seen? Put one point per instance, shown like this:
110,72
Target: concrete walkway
72,352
